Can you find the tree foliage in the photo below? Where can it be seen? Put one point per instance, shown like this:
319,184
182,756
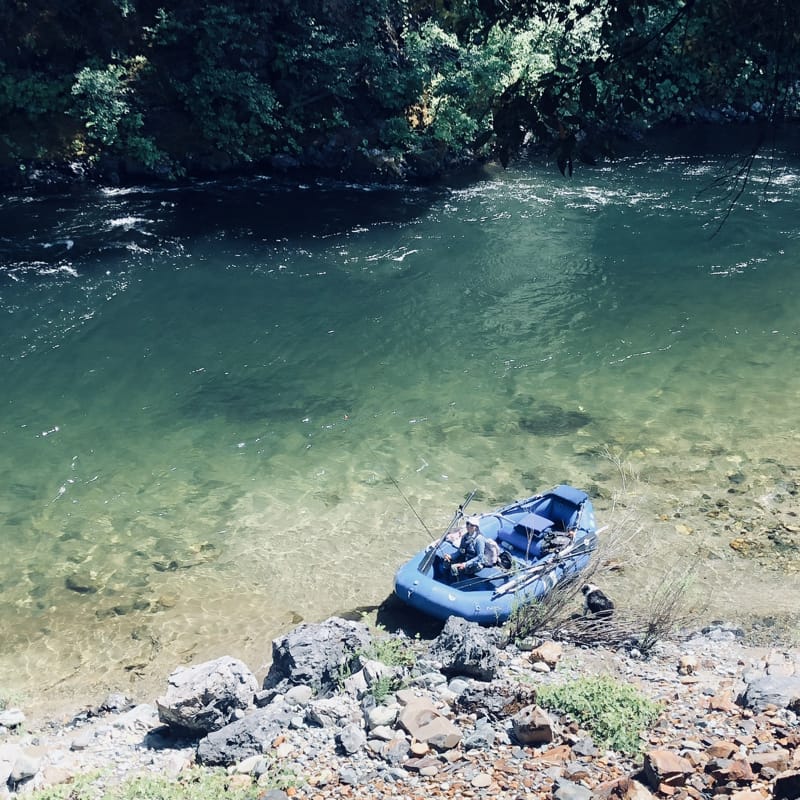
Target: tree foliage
170,85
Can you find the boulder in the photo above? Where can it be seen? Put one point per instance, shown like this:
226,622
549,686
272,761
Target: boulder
335,712
724,770
316,655
665,767
250,736
425,723
498,700
465,648
351,738
782,691
532,725
382,716
548,653
9,753
208,696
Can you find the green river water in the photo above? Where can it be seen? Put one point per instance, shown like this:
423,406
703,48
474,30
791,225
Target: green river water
213,398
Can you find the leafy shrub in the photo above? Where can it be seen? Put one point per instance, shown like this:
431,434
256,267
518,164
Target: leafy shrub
615,713
33,94
100,94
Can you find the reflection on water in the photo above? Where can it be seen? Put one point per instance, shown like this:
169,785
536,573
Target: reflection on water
211,396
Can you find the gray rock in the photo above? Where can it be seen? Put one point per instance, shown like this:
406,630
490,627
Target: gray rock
334,711
116,702
465,648
458,686
142,717
349,777
567,790
382,716
499,700
207,697
299,695
782,691
83,740
246,737
482,737
25,767
9,753
375,671
586,747
314,655
274,794
356,684
429,680
383,733
351,738
396,774
396,750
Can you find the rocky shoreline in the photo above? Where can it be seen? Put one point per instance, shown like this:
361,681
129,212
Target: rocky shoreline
453,717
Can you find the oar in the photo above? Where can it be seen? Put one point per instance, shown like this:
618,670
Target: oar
426,562
522,576
529,574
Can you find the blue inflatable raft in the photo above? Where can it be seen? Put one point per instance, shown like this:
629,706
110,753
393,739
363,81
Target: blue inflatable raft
541,542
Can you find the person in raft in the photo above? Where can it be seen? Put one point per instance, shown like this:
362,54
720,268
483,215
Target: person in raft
471,556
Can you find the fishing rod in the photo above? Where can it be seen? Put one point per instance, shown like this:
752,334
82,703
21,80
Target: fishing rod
400,492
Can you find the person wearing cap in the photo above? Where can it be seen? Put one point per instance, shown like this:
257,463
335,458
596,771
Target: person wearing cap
471,556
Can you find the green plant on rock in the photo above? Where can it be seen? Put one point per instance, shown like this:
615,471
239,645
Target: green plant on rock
393,651
615,713
383,687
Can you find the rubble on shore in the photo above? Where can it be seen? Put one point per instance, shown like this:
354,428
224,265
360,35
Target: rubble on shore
459,719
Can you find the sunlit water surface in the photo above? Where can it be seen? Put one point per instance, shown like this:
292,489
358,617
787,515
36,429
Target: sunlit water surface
224,406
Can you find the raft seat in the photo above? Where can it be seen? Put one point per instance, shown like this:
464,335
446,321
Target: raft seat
525,537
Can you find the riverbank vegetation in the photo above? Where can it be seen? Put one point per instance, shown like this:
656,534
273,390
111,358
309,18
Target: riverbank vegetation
403,88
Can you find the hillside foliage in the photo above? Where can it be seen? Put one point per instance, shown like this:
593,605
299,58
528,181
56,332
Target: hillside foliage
406,87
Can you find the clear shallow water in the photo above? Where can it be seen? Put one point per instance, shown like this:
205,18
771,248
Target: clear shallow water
209,393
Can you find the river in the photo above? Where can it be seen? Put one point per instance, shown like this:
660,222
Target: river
232,406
